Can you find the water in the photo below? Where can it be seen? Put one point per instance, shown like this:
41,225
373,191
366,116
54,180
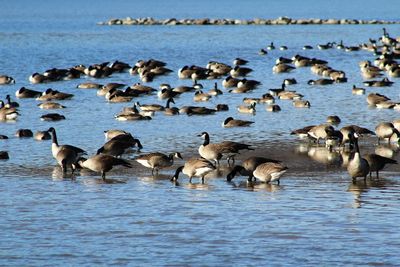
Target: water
315,216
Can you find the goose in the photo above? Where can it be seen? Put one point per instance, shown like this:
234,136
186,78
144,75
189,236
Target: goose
307,47
282,67
251,100
24,133
171,111
194,167
7,114
51,94
290,81
89,85
27,93
220,68
126,111
357,166
131,117
357,90
50,105
325,46
301,104
118,96
271,46
302,132
67,158
276,91
119,145
42,135
240,61
340,45
119,66
230,82
222,107
289,95
215,152
248,167
102,163
151,107
167,93
183,89
382,83
320,82
333,119
157,160
269,172
377,163
320,132
262,52
231,122
3,137
240,71
333,138
52,117
267,99
199,96
283,47
185,72
38,78
247,109
110,134
4,79
56,148
215,91
394,72
193,110
385,130
248,84
4,155
375,98
273,108
11,104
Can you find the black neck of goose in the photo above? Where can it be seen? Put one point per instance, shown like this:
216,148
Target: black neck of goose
168,102
215,86
54,137
8,99
138,143
135,110
206,139
233,173
176,175
356,145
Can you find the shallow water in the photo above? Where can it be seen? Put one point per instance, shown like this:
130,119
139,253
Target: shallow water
316,216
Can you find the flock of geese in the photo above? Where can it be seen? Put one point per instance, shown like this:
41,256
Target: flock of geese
235,80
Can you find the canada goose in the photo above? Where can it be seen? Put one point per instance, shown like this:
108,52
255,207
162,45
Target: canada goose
24,133
240,71
333,119
283,47
27,93
199,96
307,47
215,91
185,72
167,93
194,167
102,163
333,138
282,67
269,172
375,98
248,84
109,134
10,104
352,48
51,94
302,62
229,82
276,91
271,46
357,90
219,68
240,61
222,107
131,117
382,83
134,110
251,100
394,72
247,109
3,137
119,144
37,78
193,110
289,81
4,79
357,166
7,113
320,132
377,163
151,107
340,45
248,167
385,130
289,95
42,135
157,160
273,108
4,155
67,158
320,82
118,96
89,85
119,66
50,105
325,46
55,147
52,117
386,104
267,99
215,152
170,111
302,132
301,104
262,52
103,90
231,122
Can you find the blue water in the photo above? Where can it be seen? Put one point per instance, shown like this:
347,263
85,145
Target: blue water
315,217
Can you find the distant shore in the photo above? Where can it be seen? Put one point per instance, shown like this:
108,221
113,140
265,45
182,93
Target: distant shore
255,21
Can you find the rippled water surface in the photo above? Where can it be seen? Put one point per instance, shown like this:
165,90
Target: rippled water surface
315,217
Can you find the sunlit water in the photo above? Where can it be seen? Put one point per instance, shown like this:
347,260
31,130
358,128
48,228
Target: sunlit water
315,217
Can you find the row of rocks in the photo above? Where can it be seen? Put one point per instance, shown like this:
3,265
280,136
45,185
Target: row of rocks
256,21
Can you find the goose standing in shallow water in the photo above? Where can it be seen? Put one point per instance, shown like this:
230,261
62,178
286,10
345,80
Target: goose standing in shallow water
269,172
195,167
157,160
56,148
358,166
377,163
248,167
102,163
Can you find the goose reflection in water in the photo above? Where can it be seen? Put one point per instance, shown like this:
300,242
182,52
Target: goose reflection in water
256,186
360,187
387,150
58,175
320,154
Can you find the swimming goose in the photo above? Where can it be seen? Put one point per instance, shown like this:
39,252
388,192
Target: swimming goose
267,99
262,52
215,91
289,95
325,46
3,137
109,134
247,109
282,67
385,130
273,108
51,94
171,111
276,91
4,79
119,145
194,167
357,166
38,78
52,117
193,110
167,93
10,104
7,113
231,122
357,90
219,67
240,71
89,85
27,93
307,47
283,47
199,96
377,163
248,167
240,61
42,135
382,83
271,46
157,160
24,133
102,163
50,105
290,81
375,98
215,152
301,104
320,82
340,45
152,107
229,82
55,147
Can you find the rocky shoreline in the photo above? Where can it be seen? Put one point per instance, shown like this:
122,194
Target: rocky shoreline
256,21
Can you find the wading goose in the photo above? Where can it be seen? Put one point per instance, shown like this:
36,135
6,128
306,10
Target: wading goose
195,167
377,163
248,167
67,158
157,160
119,144
56,148
102,163
269,172
357,166
385,130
